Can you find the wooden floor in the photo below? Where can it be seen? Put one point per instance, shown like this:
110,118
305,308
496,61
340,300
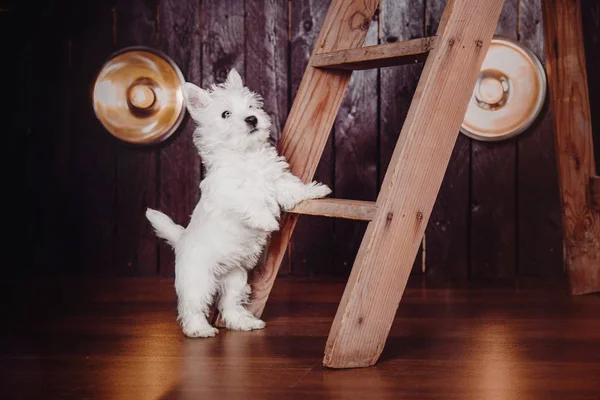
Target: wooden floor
119,340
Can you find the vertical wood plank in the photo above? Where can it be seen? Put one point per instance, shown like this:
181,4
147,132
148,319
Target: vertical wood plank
539,227
447,256
356,156
94,149
179,164
493,192
311,247
267,63
222,40
47,128
399,21
567,77
135,242
590,10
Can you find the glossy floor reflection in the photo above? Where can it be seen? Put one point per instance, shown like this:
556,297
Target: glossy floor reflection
119,340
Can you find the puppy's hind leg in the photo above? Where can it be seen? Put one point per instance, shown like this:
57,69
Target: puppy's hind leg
234,294
196,287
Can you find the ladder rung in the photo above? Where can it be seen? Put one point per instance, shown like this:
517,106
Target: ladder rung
338,208
381,55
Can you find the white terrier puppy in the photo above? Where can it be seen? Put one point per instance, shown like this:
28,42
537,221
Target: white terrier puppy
245,186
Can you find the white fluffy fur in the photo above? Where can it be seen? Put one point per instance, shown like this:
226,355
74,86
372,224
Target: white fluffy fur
245,186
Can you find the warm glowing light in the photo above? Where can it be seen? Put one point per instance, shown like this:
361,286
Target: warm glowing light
141,96
106,93
491,90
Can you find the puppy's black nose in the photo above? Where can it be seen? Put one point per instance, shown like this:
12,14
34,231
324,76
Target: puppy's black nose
252,121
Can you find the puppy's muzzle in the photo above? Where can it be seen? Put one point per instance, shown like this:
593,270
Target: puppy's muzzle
252,121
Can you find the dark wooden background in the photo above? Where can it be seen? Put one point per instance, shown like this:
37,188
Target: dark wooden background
81,210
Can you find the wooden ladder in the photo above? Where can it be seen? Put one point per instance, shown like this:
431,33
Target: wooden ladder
399,216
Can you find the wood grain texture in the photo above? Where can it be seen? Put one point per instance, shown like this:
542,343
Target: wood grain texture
376,56
356,155
590,12
399,21
448,243
311,247
94,149
408,193
565,60
267,63
310,121
493,192
50,125
538,204
179,164
595,193
118,339
222,40
338,208
135,243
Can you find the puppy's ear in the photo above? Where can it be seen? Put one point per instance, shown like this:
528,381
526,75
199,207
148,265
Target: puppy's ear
234,80
196,99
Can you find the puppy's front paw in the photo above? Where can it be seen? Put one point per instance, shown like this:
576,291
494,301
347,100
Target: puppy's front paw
317,190
200,331
271,225
196,326
243,322
265,222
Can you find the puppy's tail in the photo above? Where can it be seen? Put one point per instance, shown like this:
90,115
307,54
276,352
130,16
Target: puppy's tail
164,226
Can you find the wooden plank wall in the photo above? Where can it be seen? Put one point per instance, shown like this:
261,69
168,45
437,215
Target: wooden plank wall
539,234
493,191
447,235
136,168
497,216
311,247
179,30
590,10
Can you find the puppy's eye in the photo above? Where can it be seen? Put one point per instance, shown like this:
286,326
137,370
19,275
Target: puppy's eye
250,106
226,114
